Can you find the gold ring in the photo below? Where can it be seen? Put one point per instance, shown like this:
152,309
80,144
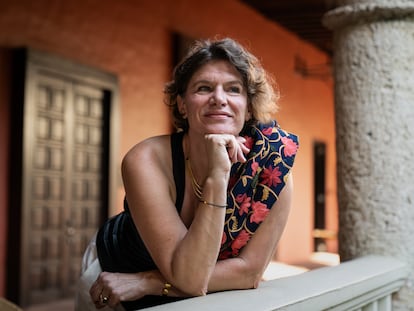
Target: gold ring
103,299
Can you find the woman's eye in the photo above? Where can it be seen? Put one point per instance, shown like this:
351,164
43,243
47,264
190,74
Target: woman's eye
235,89
203,88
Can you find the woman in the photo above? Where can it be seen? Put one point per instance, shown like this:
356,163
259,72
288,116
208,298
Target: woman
227,167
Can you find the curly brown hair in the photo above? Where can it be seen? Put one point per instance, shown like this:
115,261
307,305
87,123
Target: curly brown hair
261,94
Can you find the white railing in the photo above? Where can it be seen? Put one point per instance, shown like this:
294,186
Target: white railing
364,284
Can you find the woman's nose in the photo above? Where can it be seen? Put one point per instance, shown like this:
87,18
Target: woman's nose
219,97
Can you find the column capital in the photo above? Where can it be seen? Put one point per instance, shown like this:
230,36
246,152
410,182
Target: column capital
362,13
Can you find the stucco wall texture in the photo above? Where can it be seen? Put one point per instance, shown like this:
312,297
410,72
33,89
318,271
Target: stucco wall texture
374,65
132,39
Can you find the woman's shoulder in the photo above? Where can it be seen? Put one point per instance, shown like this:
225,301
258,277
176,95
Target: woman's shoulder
269,131
150,149
270,136
286,142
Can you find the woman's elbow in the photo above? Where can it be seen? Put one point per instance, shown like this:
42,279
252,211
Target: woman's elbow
256,282
194,292
254,279
192,288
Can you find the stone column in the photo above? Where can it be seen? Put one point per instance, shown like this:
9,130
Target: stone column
374,100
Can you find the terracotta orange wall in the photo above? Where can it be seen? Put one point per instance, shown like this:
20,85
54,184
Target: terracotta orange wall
132,39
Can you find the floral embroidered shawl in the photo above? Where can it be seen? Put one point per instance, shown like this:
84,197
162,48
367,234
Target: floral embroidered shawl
255,185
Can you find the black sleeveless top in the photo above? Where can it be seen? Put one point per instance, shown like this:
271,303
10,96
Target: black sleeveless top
253,189
119,245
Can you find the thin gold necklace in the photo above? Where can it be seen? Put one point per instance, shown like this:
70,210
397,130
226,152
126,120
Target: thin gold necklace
197,188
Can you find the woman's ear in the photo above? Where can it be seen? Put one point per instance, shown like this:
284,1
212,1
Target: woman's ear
181,107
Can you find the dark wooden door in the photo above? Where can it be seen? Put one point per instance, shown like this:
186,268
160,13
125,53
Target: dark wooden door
65,177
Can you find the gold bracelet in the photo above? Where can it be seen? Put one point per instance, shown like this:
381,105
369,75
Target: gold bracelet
213,204
166,289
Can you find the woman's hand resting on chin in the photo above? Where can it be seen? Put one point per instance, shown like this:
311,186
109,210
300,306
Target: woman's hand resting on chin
223,150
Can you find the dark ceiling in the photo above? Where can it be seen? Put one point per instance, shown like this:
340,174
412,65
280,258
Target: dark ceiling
303,17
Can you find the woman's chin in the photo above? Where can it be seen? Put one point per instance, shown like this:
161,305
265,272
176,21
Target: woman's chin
223,129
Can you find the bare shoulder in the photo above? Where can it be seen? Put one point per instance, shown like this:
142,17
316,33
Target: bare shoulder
153,151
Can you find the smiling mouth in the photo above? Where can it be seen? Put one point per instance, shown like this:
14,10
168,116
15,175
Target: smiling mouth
217,115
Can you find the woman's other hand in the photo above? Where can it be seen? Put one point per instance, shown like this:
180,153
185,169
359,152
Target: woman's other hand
111,288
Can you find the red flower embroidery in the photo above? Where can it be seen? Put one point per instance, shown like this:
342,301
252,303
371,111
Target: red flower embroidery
290,147
267,131
254,166
270,176
239,242
249,142
244,203
260,212
224,255
232,182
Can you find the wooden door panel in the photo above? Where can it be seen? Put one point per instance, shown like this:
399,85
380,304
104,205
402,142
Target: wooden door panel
65,176
44,194
86,179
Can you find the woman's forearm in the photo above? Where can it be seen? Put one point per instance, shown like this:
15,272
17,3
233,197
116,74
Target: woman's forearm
234,273
198,251
228,274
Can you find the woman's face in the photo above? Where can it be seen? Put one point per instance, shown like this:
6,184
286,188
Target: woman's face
215,101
